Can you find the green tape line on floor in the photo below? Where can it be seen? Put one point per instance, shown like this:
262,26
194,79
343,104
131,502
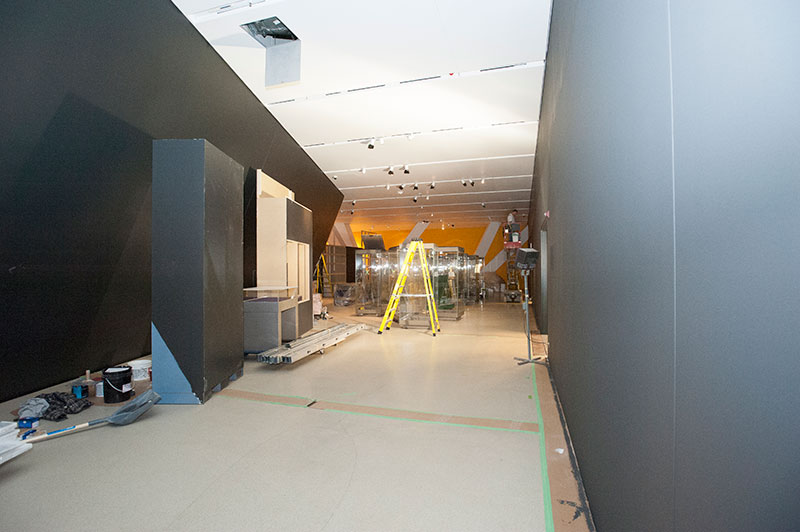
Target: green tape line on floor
548,504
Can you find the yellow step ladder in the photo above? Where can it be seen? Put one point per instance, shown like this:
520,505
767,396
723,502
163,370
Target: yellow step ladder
327,276
416,246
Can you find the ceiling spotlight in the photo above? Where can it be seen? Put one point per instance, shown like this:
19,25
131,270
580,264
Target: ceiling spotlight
428,197
405,169
483,181
442,227
380,140
471,182
371,144
352,212
363,170
354,202
483,205
415,199
452,225
335,177
464,182
416,186
433,184
388,186
391,170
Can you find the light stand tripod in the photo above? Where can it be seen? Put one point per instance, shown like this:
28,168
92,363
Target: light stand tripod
526,260
529,360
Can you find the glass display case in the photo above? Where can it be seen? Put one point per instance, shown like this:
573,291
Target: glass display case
367,282
474,279
452,278
412,311
449,277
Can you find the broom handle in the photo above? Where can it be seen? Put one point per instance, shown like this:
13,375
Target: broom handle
73,428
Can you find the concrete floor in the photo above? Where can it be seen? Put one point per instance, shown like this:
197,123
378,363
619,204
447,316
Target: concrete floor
238,464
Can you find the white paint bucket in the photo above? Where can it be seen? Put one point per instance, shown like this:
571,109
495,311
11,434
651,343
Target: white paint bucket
141,369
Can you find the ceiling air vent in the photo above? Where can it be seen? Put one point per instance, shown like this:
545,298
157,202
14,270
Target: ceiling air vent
283,50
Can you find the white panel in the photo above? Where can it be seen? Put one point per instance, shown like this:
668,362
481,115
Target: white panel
271,242
423,106
416,232
487,238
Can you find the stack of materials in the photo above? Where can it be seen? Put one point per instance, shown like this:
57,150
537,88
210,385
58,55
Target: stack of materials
10,445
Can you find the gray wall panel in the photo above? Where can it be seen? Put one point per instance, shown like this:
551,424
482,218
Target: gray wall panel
197,262
737,142
726,459
177,261
604,166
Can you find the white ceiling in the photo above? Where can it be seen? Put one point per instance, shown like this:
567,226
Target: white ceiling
451,86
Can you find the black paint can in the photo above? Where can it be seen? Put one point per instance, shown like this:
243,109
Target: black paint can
117,384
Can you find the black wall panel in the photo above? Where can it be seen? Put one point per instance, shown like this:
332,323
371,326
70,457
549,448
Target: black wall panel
90,84
667,157
249,260
299,223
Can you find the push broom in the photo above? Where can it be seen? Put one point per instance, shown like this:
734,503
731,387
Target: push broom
124,416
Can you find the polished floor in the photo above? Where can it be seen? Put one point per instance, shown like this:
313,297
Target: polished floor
251,459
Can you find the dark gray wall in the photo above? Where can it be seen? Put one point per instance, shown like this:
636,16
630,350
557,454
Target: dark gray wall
86,87
197,265
673,299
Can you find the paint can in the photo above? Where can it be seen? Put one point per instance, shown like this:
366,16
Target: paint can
98,388
117,384
141,369
80,390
